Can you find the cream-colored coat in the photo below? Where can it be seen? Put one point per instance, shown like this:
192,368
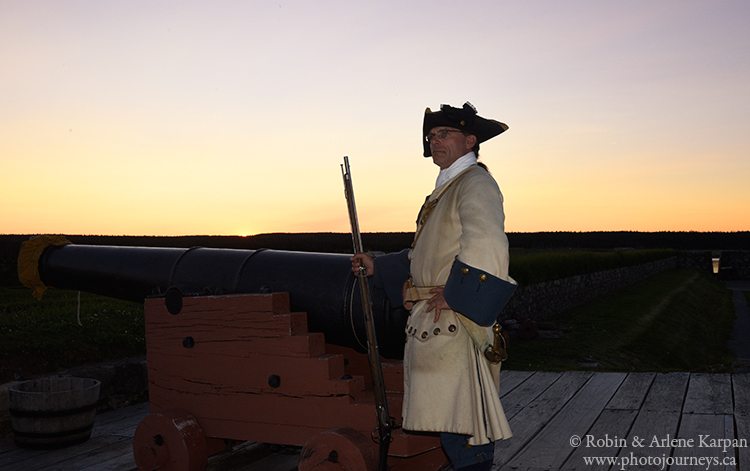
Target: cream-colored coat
448,382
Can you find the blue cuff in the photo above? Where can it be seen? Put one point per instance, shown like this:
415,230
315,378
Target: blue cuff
476,294
391,272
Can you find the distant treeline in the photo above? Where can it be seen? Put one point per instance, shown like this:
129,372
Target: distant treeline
396,241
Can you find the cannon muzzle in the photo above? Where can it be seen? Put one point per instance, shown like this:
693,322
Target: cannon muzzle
320,284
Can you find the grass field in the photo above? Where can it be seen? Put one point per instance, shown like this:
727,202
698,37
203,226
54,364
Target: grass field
38,337
679,320
536,266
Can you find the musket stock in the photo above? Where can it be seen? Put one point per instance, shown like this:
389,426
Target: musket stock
381,402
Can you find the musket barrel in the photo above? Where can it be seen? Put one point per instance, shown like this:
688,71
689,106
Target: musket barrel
320,284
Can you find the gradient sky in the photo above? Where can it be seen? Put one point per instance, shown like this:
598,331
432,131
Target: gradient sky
232,117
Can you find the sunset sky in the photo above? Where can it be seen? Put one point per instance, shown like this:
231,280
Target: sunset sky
233,117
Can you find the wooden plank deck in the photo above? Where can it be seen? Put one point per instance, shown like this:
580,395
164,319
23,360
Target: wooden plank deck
636,420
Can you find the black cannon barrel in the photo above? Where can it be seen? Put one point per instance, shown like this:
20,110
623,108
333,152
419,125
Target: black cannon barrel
320,284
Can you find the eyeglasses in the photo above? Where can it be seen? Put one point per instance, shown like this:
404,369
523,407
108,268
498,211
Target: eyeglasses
442,134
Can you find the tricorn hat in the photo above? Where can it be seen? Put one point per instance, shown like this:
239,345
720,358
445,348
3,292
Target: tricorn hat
465,119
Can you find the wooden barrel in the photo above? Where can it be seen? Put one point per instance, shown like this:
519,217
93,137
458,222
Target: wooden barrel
53,412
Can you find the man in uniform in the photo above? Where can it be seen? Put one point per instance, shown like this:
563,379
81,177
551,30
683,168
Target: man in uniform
454,280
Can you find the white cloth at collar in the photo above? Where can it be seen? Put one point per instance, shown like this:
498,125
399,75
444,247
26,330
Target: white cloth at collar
461,164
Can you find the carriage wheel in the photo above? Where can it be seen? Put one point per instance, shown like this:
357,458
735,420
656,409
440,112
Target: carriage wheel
339,449
170,440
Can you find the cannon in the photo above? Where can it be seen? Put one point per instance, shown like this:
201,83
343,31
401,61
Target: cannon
248,345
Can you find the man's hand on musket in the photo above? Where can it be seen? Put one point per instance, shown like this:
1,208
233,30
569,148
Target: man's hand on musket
362,261
436,303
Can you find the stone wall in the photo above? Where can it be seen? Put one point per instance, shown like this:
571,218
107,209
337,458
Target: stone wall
541,300
699,259
735,265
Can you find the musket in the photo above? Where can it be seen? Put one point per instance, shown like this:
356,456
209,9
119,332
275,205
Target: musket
381,403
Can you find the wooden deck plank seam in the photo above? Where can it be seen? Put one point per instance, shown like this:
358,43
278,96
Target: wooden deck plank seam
574,459
567,412
521,443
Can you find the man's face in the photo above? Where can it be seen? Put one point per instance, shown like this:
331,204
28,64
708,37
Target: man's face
447,150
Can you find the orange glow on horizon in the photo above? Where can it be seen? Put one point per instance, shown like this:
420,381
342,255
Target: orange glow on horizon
232,119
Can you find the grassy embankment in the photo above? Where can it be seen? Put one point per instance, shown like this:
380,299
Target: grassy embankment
679,320
535,266
675,321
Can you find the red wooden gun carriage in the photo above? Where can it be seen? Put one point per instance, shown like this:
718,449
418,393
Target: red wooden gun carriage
246,345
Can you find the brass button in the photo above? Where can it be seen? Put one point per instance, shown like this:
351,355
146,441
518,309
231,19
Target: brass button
465,271
424,335
452,328
482,278
436,331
